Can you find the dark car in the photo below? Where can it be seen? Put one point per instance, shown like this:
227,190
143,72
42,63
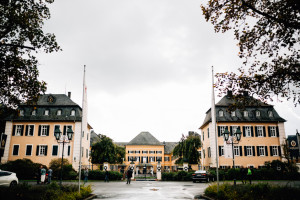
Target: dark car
202,175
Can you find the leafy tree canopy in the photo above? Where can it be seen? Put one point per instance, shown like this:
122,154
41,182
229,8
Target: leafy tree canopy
187,149
21,37
106,151
268,34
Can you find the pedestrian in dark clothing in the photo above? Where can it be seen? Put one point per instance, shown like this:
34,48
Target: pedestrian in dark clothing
49,175
86,174
129,175
243,172
249,175
38,175
106,176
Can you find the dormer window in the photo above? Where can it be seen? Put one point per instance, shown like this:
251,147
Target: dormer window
46,112
21,112
257,113
33,112
221,113
72,112
233,114
270,113
58,112
246,114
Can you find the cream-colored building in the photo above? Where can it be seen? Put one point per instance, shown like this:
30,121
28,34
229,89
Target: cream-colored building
31,133
261,140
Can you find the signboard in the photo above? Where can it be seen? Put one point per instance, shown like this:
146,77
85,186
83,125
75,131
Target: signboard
228,148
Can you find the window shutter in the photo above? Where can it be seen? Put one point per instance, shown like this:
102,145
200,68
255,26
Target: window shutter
277,131
219,132
256,134
31,130
279,150
244,131
231,130
220,151
147,160
252,133
266,149
65,128
257,148
22,130
241,150
128,159
264,131
40,130
48,128
46,149
269,131
14,130
245,150
37,150
271,152
69,150
253,149
26,130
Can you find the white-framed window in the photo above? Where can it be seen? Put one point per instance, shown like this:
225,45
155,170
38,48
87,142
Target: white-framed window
167,158
257,113
272,130
274,150
29,130
234,128
159,158
221,149
270,113
246,114
44,129
260,131
261,150
249,151
222,129
208,152
46,112
33,113
42,150
28,150
72,112
19,130
232,113
137,151
159,152
151,152
54,150
21,112
151,158
248,131
221,113
144,152
236,150
237,166
16,148
224,166
58,112
86,152
130,152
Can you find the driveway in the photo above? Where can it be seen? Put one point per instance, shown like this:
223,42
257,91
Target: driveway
147,190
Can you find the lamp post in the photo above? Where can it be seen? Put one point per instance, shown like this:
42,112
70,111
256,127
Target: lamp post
63,139
145,171
237,136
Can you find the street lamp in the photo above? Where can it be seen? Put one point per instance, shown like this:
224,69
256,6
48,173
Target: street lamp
145,171
237,135
62,139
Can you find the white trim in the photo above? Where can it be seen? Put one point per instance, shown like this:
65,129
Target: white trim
28,129
39,154
26,149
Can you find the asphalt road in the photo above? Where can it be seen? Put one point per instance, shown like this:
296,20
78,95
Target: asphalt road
147,190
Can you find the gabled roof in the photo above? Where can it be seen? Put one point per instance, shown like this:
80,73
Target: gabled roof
226,101
169,146
58,100
144,138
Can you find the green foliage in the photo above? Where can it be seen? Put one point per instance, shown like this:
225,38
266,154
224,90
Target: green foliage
106,151
268,38
100,175
251,192
177,176
187,149
68,172
24,168
21,38
46,192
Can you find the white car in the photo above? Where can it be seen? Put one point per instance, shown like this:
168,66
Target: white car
8,178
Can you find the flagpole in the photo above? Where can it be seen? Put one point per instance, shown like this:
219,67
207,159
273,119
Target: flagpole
213,117
80,149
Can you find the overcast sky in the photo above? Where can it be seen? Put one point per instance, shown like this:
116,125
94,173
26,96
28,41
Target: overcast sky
148,65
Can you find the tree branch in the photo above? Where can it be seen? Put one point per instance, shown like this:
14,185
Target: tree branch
19,46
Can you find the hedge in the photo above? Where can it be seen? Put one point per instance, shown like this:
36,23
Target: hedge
100,175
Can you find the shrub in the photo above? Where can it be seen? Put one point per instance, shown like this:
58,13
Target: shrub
68,172
100,175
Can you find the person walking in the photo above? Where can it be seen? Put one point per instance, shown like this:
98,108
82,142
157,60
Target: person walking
243,175
129,175
49,175
43,175
106,176
249,174
38,175
86,174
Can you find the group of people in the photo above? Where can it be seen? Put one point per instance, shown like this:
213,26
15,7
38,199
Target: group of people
41,175
246,173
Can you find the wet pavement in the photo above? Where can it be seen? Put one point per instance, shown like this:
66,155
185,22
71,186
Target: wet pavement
147,190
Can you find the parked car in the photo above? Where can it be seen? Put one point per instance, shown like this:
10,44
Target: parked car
202,175
8,178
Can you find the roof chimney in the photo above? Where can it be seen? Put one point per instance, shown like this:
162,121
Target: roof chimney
69,95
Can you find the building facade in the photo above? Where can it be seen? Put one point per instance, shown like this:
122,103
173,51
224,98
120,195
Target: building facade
30,134
262,137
